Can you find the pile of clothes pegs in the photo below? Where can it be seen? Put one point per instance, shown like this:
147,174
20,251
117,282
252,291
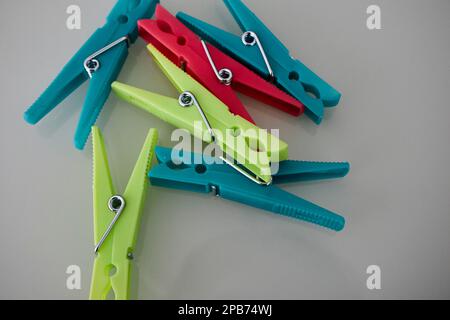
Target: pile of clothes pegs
207,66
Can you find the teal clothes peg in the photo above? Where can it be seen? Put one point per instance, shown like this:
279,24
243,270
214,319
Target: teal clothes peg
194,172
260,50
100,59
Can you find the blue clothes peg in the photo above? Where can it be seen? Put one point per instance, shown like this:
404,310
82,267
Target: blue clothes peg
101,58
193,172
262,51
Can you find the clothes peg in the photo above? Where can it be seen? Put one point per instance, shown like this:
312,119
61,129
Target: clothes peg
219,73
116,220
206,117
100,59
192,172
263,52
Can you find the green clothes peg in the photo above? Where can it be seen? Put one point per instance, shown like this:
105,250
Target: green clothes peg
116,219
253,148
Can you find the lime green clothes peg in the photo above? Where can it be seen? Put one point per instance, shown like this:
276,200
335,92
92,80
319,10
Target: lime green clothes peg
116,220
202,114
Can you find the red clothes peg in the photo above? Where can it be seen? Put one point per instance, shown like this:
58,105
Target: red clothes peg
218,72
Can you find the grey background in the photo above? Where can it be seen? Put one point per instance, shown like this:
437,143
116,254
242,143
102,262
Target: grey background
392,125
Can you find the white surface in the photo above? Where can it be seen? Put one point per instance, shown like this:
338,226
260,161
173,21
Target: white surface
392,125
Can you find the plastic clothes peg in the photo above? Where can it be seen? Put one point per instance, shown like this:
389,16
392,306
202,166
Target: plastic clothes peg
259,49
100,59
117,219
